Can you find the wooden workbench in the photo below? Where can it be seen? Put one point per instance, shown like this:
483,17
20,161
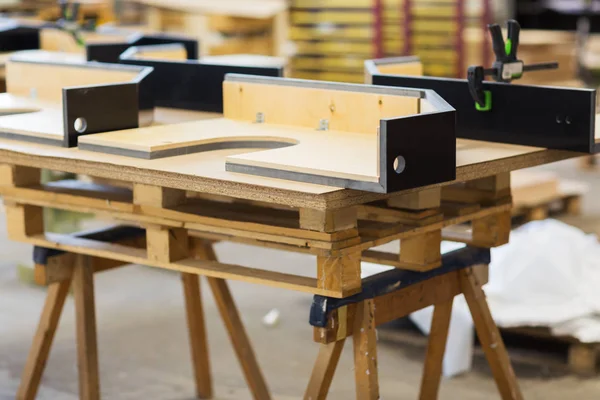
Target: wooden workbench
184,203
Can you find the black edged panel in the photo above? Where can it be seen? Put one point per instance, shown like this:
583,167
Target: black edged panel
550,117
424,146
193,85
16,38
110,52
395,280
101,108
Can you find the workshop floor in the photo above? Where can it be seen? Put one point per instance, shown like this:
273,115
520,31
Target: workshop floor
143,341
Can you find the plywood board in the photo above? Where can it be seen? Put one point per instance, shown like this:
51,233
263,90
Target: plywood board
293,149
205,172
348,111
45,74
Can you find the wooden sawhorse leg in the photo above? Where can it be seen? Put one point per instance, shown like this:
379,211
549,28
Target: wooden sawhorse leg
489,336
438,335
399,293
322,374
42,341
197,333
85,320
235,329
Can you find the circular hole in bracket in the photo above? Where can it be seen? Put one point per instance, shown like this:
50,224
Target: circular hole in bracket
568,120
80,125
399,164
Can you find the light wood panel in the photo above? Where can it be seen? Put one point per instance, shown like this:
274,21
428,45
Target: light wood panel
299,106
46,78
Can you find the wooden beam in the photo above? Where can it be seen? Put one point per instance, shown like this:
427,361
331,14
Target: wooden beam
23,221
85,319
365,352
328,221
340,273
438,335
167,245
421,200
42,341
493,230
489,336
422,250
157,196
197,334
323,371
16,175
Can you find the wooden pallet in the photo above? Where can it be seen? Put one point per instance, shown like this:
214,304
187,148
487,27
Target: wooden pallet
582,357
337,238
538,195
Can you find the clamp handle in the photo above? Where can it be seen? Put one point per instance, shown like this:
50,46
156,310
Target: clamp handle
505,51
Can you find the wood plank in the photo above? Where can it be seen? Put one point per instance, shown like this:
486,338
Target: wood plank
42,341
324,369
94,198
197,335
198,267
436,348
489,336
365,352
85,319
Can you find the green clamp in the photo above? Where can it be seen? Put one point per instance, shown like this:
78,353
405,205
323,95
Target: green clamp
488,102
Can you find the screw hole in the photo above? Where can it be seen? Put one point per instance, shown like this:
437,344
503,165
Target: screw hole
558,119
568,120
80,125
399,164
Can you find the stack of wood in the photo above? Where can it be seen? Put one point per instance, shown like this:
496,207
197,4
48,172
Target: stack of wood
334,37
225,26
539,194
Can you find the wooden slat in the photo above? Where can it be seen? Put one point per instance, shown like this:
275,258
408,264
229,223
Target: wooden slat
208,268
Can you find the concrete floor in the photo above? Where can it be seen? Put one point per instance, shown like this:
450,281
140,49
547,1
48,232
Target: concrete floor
144,347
